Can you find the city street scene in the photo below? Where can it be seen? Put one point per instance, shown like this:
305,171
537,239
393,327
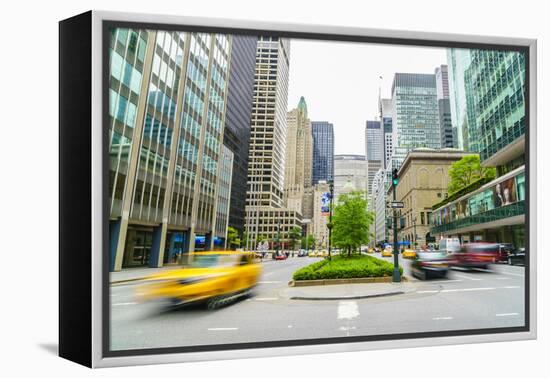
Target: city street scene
274,189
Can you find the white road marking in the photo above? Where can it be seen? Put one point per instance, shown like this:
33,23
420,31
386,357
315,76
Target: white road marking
223,329
269,282
508,314
468,278
290,326
124,304
513,274
346,328
466,289
265,299
443,318
347,310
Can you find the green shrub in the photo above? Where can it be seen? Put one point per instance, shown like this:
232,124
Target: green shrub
341,266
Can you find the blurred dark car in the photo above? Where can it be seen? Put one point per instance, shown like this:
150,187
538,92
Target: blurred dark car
302,253
433,264
517,257
504,250
476,255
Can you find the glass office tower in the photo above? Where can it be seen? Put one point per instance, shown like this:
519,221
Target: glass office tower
416,112
323,151
167,108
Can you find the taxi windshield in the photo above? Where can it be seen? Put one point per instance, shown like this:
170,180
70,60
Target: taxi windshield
214,260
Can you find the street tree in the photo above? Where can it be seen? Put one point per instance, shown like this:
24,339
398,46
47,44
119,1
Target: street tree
351,222
233,240
294,235
466,171
308,242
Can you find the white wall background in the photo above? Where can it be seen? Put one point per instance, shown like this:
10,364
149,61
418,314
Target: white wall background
28,211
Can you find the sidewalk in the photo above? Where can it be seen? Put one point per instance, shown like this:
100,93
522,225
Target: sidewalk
347,291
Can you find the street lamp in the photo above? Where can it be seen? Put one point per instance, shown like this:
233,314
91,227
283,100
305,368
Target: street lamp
329,225
396,275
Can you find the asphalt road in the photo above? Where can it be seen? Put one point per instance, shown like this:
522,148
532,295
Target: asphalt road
465,300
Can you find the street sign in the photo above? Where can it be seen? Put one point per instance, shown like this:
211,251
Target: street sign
396,205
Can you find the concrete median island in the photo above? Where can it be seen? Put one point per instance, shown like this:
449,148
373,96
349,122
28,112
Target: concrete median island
344,269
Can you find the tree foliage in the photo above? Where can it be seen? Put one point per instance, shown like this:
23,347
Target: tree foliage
233,240
351,222
308,242
467,170
294,235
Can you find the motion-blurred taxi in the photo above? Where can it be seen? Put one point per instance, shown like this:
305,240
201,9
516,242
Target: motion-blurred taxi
409,254
387,252
216,278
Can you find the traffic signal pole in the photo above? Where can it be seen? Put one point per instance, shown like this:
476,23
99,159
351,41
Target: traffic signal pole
396,276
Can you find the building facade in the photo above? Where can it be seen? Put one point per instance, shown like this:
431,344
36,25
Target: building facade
374,150
380,208
493,89
266,215
350,174
386,117
298,157
415,118
323,151
237,121
423,182
167,97
321,203
444,105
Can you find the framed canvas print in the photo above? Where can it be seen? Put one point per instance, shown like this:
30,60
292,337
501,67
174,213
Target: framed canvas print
234,189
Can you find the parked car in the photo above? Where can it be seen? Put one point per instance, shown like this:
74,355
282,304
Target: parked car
430,264
476,255
302,253
517,257
213,278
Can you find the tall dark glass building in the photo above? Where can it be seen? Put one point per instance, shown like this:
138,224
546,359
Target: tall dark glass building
323,151
237,121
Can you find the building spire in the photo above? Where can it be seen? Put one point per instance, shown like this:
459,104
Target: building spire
302,106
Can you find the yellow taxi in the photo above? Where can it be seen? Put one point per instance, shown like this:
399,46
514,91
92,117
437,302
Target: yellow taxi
387,252
370,250
312,254
409,254
215,278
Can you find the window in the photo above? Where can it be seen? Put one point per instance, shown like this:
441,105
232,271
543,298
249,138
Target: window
422,218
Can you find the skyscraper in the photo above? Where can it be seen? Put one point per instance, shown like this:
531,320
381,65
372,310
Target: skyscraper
386,114
298,157
416,111
445,120
265,214
374,150
167,118
461,102
237,121
323,151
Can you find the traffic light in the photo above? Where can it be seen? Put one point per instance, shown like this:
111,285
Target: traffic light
394,177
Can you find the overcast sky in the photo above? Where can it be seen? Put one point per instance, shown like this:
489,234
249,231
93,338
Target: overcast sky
340,82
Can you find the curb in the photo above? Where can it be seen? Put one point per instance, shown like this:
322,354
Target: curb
126,281
340,281
391,293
